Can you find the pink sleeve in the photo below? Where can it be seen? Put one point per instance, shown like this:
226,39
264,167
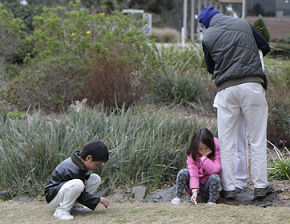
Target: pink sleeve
193,173
213,166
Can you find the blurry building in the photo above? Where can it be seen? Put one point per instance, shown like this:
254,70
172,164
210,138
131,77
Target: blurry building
275,14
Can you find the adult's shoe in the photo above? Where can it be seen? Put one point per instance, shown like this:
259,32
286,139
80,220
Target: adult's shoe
228,194
261,192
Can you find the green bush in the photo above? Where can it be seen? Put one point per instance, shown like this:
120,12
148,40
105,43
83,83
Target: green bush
173,86
11,35
280,170
262,29
25,13
51,83
182,79
65,39
76,32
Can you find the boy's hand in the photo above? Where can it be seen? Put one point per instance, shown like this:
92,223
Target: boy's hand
105,202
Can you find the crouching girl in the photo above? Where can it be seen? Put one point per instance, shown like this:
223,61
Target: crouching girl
203,163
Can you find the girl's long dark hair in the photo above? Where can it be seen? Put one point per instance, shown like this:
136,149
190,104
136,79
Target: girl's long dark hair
206,137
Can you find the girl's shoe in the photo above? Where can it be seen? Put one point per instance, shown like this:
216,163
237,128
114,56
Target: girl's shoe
176,200
210,203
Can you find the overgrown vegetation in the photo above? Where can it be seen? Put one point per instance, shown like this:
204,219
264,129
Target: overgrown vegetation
166,35
278,76
146,148
182,78
71,53
69,46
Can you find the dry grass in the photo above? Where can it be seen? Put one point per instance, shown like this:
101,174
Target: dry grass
166,35
40,212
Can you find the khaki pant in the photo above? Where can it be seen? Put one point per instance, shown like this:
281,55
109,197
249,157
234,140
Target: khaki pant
71,190
248,100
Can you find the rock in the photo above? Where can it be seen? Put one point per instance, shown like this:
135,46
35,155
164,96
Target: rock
165,196
268,200
139,193
103,192
25,197
120,196
246,196
3,195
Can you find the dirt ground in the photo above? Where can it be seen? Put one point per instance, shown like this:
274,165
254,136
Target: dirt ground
159,213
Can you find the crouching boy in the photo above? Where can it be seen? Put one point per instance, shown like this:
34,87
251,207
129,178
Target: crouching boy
70,186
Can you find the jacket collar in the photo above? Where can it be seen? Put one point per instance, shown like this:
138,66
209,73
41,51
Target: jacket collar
76,160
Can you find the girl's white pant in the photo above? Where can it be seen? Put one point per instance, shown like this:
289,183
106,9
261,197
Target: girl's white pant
71,190
248,100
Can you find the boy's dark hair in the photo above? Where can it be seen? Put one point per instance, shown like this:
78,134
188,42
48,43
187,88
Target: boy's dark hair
206,137
97,149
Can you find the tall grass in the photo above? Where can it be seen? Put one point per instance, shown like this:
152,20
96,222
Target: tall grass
146,147
182,78
280,168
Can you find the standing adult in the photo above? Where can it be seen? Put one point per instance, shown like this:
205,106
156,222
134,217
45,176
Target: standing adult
231,50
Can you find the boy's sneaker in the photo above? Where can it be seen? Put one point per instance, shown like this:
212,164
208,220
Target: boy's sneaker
61,214
79,208
210,203
176,200
261,192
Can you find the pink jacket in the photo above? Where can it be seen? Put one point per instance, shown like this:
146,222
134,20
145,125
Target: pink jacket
200,171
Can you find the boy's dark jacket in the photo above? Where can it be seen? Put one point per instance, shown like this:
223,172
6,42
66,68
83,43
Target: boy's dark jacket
71,168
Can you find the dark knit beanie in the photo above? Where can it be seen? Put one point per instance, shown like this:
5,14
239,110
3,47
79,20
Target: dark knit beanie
206,14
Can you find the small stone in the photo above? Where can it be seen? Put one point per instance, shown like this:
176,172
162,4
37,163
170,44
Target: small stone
140,193
25,197
103,192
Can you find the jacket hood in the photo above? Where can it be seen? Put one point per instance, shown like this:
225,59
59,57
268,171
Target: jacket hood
206,14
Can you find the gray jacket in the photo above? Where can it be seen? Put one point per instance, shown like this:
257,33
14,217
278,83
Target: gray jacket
233,48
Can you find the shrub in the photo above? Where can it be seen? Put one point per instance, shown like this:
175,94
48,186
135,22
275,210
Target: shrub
177,87
166,35
75,32
11,35
65,39
111,80
261,27
51,83
25,13
182,79
280,170
279,120
278,101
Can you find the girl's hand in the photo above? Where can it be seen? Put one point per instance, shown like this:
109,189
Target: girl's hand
207,153
193,196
